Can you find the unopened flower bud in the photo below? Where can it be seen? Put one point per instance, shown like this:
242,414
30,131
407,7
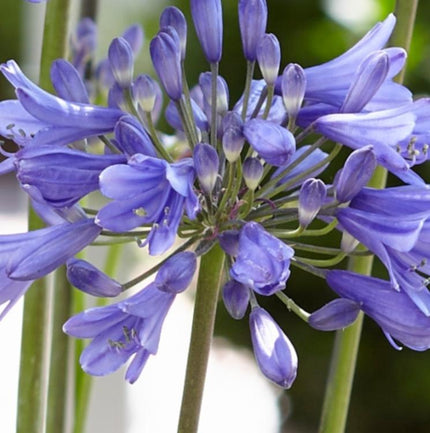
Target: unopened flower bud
84,276
134,36
236,298
269,58
233,138
176,273
144,92
337,314
293,85
166,58
172,16
274,353
222,94
252,172
370,76
355,174
121,61
272,142
252,22
206,164
311,198
207,18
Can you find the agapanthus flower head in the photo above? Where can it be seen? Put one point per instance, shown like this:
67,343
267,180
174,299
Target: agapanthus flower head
274,353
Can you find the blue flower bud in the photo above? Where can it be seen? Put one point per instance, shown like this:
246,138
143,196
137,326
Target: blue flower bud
369,77
121,61
222,94
84,276
229,242
207,18
165,55
236,298
269,58
232,142
176,274
132,138
206,164
293,85
272,142
337,314
67,82
274,353
144,92
252,22
172,16
355,174
252,172
311,198
134,36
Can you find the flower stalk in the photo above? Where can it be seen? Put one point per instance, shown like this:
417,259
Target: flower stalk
209,281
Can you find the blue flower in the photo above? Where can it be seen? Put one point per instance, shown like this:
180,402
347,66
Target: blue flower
60,176
263,261
132,326
274,353
392,310
148,191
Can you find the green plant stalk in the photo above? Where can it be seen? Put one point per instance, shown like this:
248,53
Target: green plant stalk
210,276
32,373
33,364
57,386
338,391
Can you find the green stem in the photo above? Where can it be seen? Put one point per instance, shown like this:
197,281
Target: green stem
210,275
32,381
32,374
338,391
56,405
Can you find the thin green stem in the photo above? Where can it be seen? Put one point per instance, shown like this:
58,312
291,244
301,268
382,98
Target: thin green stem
214,117
249,74
210,275
292,306
339,386
270,93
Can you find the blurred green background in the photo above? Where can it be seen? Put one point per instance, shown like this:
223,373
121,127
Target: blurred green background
391,390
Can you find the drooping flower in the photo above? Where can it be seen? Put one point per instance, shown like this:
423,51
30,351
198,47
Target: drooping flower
132,326
393,311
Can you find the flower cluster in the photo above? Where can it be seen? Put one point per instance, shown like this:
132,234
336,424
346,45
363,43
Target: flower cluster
248,175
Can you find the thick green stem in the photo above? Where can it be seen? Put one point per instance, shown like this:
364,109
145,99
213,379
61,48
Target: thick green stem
33,364
57,395
338,391
211,270
32,374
